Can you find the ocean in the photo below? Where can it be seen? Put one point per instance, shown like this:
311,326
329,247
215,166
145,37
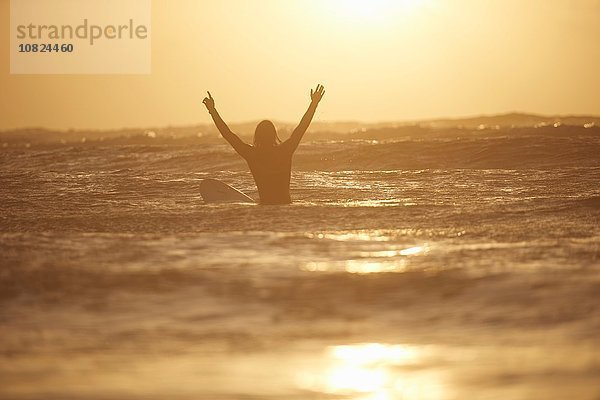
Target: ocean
455,266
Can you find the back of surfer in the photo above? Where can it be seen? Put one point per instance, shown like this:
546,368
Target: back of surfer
269,159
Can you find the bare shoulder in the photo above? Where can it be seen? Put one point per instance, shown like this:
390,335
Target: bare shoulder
287,146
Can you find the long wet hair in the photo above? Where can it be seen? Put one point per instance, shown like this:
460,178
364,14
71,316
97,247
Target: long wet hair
266,135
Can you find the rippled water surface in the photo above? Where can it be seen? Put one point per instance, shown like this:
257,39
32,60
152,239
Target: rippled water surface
446,281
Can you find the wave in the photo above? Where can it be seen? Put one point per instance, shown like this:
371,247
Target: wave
505,153
516,152
205,134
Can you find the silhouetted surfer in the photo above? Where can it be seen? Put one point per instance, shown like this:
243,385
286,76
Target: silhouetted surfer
269,159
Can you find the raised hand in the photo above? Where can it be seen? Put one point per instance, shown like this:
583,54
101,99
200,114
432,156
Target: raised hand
317,94
209,102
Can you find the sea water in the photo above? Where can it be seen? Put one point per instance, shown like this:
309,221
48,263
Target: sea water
408,269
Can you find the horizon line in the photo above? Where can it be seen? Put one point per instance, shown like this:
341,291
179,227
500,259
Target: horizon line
341,121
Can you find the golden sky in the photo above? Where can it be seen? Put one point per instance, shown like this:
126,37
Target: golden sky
380,60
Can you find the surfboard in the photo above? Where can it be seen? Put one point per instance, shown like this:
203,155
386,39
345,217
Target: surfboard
215,191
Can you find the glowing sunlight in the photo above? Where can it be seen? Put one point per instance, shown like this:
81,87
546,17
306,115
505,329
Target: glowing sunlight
372,10
363,8
372,371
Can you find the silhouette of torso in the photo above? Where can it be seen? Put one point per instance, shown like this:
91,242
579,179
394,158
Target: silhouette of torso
271,168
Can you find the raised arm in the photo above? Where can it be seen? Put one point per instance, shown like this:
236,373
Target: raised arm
240,147
315,97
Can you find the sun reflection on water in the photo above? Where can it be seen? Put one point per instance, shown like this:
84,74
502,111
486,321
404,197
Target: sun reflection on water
369,262
373,267
369,236
410,251
374,371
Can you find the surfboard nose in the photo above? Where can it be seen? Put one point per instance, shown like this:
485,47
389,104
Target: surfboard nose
215,191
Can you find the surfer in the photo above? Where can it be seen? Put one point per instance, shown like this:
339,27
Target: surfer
269,159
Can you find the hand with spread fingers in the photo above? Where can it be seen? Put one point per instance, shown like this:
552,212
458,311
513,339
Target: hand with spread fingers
317,94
